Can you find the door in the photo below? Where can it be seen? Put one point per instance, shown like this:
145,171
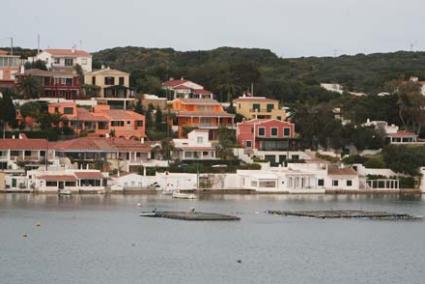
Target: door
61,186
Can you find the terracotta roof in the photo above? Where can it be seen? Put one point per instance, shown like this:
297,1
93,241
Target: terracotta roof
23,144
263,121
174,83
204,113
99,144
402,133
200,148
67,52
67,72
116,114
201,92
199,101
58,177
89,175
334,171
254,99
3,52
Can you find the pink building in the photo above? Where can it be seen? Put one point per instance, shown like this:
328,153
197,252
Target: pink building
265,134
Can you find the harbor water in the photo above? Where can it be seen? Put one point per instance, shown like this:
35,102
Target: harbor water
102,239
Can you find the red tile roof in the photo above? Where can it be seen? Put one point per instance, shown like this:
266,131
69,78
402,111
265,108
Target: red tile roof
203,114
254,99
201,92
98,144
67,52
89,175
58,177
23,144
263,121
199,101
402,133
174,83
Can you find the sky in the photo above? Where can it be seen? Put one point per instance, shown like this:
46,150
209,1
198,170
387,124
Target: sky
290,28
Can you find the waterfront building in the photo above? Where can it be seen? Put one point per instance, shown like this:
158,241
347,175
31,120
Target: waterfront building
196,146
113,87
56,82
185,89
101,120
57,180
13,151
62,57
259,108
205,114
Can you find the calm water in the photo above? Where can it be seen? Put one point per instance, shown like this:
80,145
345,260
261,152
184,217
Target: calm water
97,239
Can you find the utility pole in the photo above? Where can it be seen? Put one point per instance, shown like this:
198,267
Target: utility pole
11,45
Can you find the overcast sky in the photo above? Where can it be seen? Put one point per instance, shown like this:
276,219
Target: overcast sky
290,28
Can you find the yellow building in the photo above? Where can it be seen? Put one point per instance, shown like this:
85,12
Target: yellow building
259,108
114,87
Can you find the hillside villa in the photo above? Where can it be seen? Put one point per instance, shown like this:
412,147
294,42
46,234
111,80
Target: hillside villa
259,108
113,87
56,82
195,147
185,89
205,114
101,120
62,57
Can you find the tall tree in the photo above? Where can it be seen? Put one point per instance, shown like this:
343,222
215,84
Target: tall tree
30,87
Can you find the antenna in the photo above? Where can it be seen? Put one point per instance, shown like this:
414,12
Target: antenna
81,44
11,45
38,43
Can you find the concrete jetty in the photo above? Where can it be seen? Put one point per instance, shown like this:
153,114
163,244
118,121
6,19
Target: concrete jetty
346,214
190,216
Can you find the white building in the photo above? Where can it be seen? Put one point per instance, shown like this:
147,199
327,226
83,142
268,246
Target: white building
392,132
185,89
55,57
59,179
196,147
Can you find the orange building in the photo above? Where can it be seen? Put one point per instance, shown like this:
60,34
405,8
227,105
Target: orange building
101,120
202,114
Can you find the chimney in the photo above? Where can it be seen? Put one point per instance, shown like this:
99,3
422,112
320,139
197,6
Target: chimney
142,140
102,67
171,79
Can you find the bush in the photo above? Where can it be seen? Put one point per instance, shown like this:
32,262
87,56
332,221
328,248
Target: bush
374,163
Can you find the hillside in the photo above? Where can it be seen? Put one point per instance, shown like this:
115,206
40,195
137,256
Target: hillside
229,71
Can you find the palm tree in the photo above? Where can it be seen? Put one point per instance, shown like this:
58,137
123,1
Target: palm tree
30,87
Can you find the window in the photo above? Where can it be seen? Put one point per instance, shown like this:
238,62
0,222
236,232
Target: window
349,182
70,183
205,154
121,81
57,60
69,61
295,157
254,183
117,123
56,109
51,183
42,153
248,144
139,123
256,107
320,182
261,131
68,81
109,81
270,107
68,110
286,131
334,182
93,80
268,184
188,154
83,61
278,117
27,153
200,139
274,131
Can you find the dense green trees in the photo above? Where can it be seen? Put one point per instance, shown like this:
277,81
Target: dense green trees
7,109
29,87
404,159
